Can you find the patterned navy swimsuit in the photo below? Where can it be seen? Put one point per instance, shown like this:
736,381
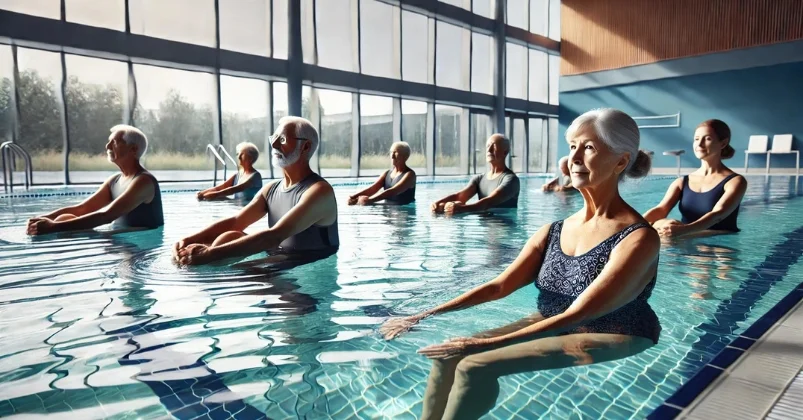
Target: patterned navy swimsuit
562,278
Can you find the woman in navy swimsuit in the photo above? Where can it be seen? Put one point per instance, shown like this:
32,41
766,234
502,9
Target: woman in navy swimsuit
595,271
708,198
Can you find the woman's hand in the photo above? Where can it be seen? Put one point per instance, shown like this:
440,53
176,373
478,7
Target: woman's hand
456,347
195,254
395,327
40,226
352,200
364,200
671,229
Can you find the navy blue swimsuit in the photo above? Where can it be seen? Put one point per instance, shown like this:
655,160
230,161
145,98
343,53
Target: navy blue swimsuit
563,278
694,205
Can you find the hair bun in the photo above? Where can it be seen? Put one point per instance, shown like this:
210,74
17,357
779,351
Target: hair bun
727,152
641,167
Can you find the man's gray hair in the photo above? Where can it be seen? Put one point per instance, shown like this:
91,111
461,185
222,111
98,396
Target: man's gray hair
505,140
132,136
302,129
250,150
402,146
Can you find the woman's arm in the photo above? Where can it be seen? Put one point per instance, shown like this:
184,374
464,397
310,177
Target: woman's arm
407,182
373,188
515,276
667,204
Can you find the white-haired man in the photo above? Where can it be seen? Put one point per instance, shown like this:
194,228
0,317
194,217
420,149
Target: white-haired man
498,188
129,199
394,186
301,209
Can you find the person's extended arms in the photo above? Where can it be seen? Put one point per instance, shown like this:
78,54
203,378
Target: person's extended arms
211,193
98,200
407,181
227,190
140,190
730,200
507,189
461,196
369,191
518,274
667,203
628,271
316,204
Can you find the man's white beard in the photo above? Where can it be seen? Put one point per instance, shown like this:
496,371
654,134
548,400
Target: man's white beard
285,161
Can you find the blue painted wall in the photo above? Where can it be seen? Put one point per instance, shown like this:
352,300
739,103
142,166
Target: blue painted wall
761,100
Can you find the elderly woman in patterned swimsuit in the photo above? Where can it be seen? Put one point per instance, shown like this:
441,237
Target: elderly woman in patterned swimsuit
594,270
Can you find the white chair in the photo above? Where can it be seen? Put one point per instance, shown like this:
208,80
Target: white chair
782,145
676,154
757,146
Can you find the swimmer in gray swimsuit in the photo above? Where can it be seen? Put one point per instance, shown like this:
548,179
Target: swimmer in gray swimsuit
245,184
594,270
129,199
394,186
498,188
301,209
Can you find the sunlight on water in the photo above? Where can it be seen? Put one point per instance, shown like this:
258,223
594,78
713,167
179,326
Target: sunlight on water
103,324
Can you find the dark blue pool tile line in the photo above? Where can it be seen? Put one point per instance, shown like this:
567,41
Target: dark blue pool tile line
760,280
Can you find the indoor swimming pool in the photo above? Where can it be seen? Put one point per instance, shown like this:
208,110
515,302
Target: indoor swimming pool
106,325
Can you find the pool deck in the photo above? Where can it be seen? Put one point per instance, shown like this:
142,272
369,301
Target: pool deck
758,375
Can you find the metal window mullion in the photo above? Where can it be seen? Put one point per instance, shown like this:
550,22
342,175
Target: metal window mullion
354,171
65,125
295,58
355,36
465,129
269,132
315,118
397,120
219,119
499,67
431,123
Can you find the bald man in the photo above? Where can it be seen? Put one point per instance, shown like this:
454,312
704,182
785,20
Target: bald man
498,188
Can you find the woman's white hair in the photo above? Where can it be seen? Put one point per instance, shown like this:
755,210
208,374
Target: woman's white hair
250,149
302,129
132,136
403,146
619,132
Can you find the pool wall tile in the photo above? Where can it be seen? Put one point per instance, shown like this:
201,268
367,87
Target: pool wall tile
664,412
726,357
696,384
742,343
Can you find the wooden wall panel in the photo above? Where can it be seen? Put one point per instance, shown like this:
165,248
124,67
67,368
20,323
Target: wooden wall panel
609,34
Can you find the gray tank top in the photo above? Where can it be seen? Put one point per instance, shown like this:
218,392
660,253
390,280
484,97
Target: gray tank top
314,238
507,183
145,215
407,197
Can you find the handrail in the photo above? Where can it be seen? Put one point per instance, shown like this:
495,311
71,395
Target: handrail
226,153
211,148
8,149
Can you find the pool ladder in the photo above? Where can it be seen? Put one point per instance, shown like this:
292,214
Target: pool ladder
9,150
214,150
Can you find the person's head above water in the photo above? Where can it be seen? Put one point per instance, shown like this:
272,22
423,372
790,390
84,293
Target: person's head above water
563,165
712,141
294,142
126,143
247,153
399,153
604,147
496,149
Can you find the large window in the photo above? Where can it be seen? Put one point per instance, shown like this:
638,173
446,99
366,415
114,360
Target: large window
414,132
482,61
466,4
554,19
538,145
539,17
40,126
517,13
96,101
516,71
280,29
244,103
518,135
481,130
379,39
416,47
451,143
539,76
245,26
335,34
6,94
101,13
44,8
483,8
451,64
376,133
191,21
176,110
336,132
554,77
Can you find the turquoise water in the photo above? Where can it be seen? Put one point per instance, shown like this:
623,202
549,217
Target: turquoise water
105,325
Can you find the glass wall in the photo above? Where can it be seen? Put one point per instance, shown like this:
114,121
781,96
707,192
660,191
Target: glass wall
97,99
176,109
40,111
245,118
336,132
440,64
538,145
376,134
414,131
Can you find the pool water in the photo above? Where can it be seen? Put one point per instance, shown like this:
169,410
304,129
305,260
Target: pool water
105,325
